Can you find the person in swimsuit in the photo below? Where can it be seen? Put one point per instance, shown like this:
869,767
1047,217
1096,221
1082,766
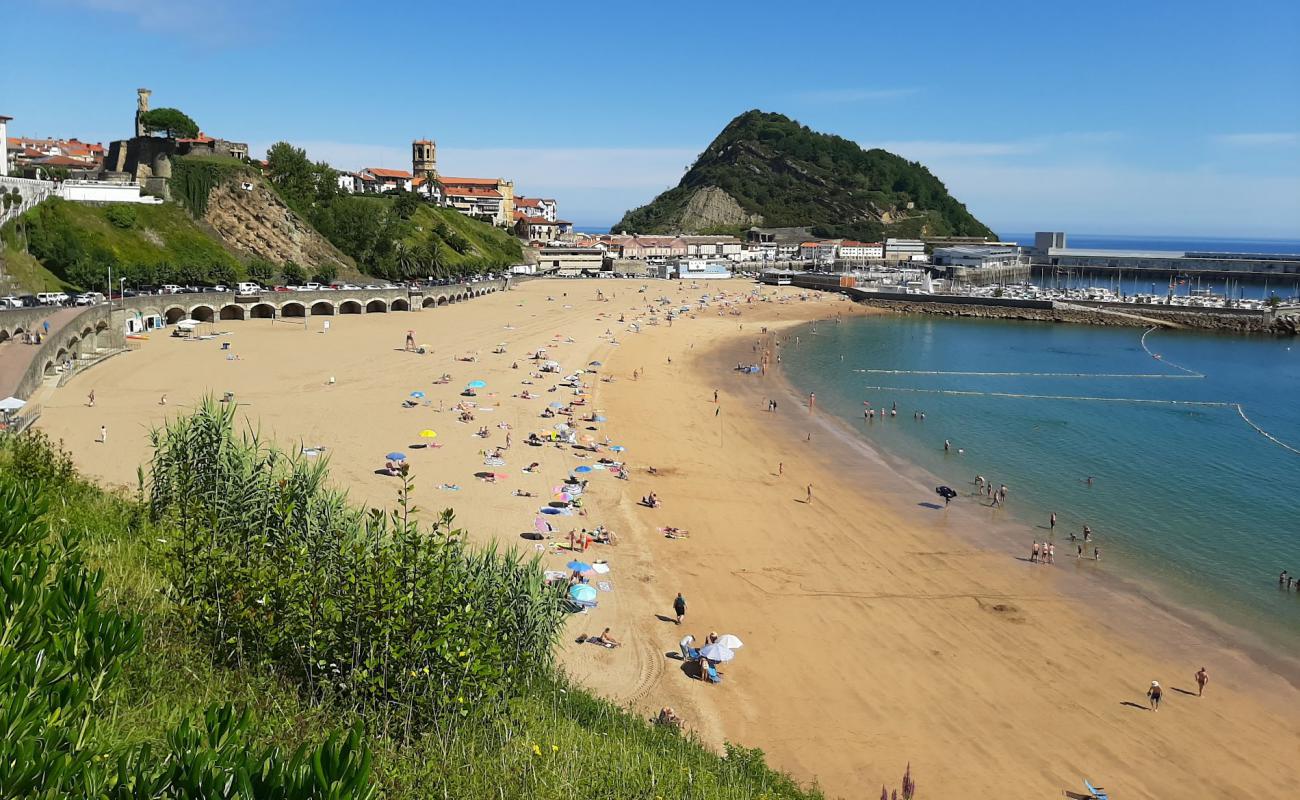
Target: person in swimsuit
679,607
1154,694
1202,678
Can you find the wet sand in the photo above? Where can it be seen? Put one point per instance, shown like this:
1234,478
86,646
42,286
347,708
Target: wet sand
877,631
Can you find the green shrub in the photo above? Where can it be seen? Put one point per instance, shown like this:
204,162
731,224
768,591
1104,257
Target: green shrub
121,214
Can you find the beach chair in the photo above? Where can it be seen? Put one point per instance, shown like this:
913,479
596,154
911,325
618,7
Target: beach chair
712,675
581,606
1097,792
692,653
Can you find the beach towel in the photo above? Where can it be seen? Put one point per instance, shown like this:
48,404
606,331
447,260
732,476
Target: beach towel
600,568
604,586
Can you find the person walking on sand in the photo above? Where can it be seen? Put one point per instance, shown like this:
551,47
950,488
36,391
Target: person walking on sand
715,395
1051,554
679,607
103,434
1202,678
809,501
1154,694
1033,557
90,399
780,468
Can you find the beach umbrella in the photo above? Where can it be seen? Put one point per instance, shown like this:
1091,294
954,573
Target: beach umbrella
945,491
730,641
427,434
618,448
476,384
417,395
583,470
579,566
563,497
550,512
599,418
542,526
716,652
395,456
582,593
10,404
556,405
595,364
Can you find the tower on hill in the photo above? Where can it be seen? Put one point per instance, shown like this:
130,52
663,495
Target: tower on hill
424,157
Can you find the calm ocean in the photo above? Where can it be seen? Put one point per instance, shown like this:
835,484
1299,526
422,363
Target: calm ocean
1188,496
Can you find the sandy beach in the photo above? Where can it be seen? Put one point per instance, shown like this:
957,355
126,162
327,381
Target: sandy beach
877,632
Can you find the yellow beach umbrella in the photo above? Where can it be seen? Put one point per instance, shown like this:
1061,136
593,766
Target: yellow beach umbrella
429,434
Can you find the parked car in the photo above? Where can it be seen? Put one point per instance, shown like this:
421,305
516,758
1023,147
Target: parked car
10,301
171,288
247,288
221,287
311,287
346,287
29,300
89,299
52,298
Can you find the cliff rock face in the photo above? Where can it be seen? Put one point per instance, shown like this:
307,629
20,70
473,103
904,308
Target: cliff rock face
252,220
710,207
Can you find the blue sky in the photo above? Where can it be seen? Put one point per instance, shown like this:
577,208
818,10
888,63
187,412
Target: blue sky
1102,117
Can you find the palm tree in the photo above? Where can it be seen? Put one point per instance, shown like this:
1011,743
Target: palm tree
407,263
433,258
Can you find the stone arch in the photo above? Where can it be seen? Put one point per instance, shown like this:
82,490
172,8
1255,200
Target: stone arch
89,330
322,308
232,311
61,355
49,368
376,306
293,308
72,346
4,335
261,311
350,307
173,315
400,304
442,300
101,326
203,313
429,302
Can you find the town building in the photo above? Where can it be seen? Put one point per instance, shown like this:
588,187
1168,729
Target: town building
471,195
728,247
349,182
88,191
424,158
904,250
855,252
538,207
570,260
694,269
381,179
825,253
535,229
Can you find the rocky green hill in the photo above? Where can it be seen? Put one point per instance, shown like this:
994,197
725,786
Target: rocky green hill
767,169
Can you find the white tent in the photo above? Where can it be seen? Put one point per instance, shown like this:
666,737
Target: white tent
11,404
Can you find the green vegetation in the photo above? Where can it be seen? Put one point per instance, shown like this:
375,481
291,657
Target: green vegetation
194,178
149,244
396,236
238,631
172,122
793,176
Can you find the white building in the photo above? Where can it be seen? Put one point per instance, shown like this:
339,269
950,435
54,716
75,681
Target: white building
904,250
861,252
350,182
385,179
977,257
104,192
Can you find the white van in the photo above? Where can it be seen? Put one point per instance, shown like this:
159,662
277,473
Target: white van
52,298
247,288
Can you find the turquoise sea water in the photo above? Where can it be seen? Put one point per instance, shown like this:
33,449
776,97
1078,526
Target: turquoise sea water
1188,496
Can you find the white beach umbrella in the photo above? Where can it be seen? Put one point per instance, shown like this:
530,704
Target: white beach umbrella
11,404
716,652
730,641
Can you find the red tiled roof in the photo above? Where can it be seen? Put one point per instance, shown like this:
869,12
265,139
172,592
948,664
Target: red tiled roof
537,221
422,141
61,161
380,172
470,181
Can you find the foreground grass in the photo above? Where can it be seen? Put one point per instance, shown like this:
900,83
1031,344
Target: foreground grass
551,741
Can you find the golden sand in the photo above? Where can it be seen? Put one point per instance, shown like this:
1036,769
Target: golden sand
875,634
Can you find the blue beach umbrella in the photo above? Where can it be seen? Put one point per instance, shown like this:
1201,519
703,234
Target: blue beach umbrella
595,364
550,511
598,418
583,470
618,448
396,456
583,593
579,566
417,394
556,405
476,384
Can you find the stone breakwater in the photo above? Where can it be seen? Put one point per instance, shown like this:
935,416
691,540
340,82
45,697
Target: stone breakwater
1134,317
